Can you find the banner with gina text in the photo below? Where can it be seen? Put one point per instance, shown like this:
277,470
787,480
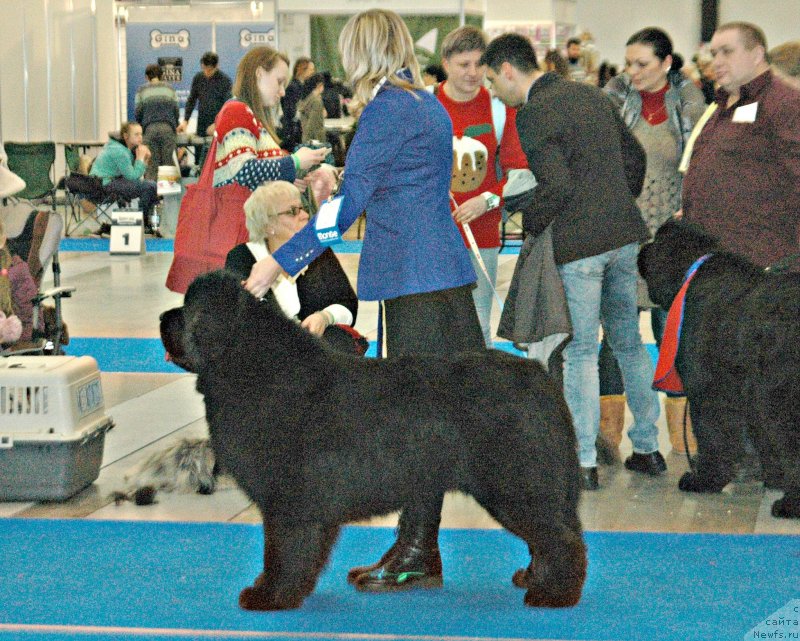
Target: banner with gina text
176,47
234,39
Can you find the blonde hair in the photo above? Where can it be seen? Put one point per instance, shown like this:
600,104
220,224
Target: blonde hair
465,39
260,209
375,44
245,87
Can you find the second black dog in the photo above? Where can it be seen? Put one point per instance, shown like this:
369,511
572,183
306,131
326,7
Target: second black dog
318,439
738,358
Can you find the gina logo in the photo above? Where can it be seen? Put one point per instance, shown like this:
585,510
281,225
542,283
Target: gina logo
161,39
247,38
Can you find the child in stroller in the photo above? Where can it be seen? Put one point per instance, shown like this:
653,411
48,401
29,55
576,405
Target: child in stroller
17,291
23,261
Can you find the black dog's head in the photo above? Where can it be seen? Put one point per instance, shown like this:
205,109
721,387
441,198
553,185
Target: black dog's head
663,263
171,328
219,319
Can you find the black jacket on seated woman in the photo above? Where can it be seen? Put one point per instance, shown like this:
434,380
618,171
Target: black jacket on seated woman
325,302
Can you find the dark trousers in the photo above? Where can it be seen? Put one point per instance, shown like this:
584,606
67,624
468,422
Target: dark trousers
144,190
443,322
160,137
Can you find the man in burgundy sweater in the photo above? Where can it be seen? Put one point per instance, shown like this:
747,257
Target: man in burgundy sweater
479,148
743,182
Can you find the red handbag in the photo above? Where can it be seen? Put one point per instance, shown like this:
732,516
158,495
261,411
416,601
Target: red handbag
210,224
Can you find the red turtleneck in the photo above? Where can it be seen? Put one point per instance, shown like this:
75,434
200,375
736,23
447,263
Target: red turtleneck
654,108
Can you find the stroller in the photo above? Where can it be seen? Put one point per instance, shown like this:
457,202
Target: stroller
35,236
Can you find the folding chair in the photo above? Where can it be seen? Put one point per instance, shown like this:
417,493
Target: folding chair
34,162
72,159
82,187
510,227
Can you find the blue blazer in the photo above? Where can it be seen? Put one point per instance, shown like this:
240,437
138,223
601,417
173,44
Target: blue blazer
398,170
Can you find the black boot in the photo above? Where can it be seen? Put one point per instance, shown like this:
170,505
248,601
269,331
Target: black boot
356,572
412,562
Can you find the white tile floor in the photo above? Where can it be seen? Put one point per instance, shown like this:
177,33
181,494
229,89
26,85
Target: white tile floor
123,296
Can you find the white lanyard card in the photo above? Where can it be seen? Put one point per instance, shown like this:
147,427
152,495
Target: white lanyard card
326,223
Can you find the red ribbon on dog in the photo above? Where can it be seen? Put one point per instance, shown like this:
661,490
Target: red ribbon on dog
666,378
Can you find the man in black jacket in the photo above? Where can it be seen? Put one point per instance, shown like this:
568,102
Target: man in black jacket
211,88
589,169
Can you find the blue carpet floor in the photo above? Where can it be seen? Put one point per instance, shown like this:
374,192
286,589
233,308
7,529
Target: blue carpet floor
118,580
166,245
147,354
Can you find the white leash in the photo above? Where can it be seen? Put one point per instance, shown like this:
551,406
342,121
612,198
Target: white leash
476,252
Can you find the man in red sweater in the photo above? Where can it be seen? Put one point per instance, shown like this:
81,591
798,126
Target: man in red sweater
485,147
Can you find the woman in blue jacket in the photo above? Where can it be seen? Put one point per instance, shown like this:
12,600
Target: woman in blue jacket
398,170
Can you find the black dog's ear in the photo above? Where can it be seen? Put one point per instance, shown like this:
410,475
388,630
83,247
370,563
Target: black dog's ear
213,309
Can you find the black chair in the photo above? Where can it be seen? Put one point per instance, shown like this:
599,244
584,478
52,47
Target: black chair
510,227
95,201
100,203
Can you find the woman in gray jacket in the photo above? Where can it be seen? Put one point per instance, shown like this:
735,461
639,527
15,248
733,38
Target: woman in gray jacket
660,105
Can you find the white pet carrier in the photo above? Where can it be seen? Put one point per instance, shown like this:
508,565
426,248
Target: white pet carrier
52,426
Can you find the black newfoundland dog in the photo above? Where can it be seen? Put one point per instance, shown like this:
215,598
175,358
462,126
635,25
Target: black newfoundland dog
738,358
317,438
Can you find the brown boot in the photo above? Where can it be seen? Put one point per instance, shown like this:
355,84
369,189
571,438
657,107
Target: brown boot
675,408
612,420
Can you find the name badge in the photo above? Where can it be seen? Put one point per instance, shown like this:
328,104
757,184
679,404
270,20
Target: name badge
326,223
745,113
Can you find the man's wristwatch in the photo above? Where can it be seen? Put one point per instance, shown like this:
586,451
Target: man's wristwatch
492,200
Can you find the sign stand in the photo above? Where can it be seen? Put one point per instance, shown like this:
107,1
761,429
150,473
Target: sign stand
127,233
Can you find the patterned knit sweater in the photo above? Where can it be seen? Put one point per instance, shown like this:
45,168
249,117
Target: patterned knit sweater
475,158
156,102
246,152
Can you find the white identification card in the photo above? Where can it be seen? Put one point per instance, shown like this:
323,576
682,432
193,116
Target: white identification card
745,113
326,223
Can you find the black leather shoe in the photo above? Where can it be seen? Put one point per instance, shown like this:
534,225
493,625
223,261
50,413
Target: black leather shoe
589,479
652,464
407,568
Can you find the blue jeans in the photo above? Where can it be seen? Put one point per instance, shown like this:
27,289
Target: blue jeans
604,286
482,294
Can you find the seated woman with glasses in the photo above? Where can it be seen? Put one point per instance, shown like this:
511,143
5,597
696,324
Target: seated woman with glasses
321,298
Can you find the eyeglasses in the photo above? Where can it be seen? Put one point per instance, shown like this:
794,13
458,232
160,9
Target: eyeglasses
292,211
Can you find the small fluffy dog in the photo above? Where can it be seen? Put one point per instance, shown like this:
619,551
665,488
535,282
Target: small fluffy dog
738,357
187,466
318,438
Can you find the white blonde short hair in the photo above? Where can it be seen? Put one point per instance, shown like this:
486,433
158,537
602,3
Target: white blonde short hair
374,44
261,208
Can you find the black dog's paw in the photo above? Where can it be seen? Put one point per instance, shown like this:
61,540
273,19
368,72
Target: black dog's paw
539,597
259,599
786,508
521,578
691,482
